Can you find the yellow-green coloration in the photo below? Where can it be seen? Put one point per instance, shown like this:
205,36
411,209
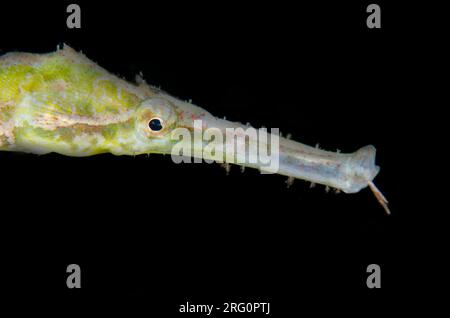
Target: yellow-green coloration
63,102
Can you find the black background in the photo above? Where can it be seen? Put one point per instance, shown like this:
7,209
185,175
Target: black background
150,235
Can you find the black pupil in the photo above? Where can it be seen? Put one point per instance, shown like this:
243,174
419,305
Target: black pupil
155,124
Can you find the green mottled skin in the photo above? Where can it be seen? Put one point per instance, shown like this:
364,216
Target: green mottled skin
63,102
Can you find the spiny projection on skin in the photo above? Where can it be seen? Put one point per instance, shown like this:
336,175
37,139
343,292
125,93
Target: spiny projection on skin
63,102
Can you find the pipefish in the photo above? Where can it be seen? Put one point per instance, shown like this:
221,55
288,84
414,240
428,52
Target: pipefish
63,102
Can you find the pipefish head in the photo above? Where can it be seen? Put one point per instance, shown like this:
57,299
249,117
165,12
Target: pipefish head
157,119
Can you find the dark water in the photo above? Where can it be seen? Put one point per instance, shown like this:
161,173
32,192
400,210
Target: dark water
150,235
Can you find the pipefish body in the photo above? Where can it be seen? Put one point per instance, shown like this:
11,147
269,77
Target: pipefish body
63,102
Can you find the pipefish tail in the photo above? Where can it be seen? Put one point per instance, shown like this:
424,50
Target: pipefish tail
63,102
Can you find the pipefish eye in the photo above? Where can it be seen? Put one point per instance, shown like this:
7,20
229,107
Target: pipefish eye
155,124
155,119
